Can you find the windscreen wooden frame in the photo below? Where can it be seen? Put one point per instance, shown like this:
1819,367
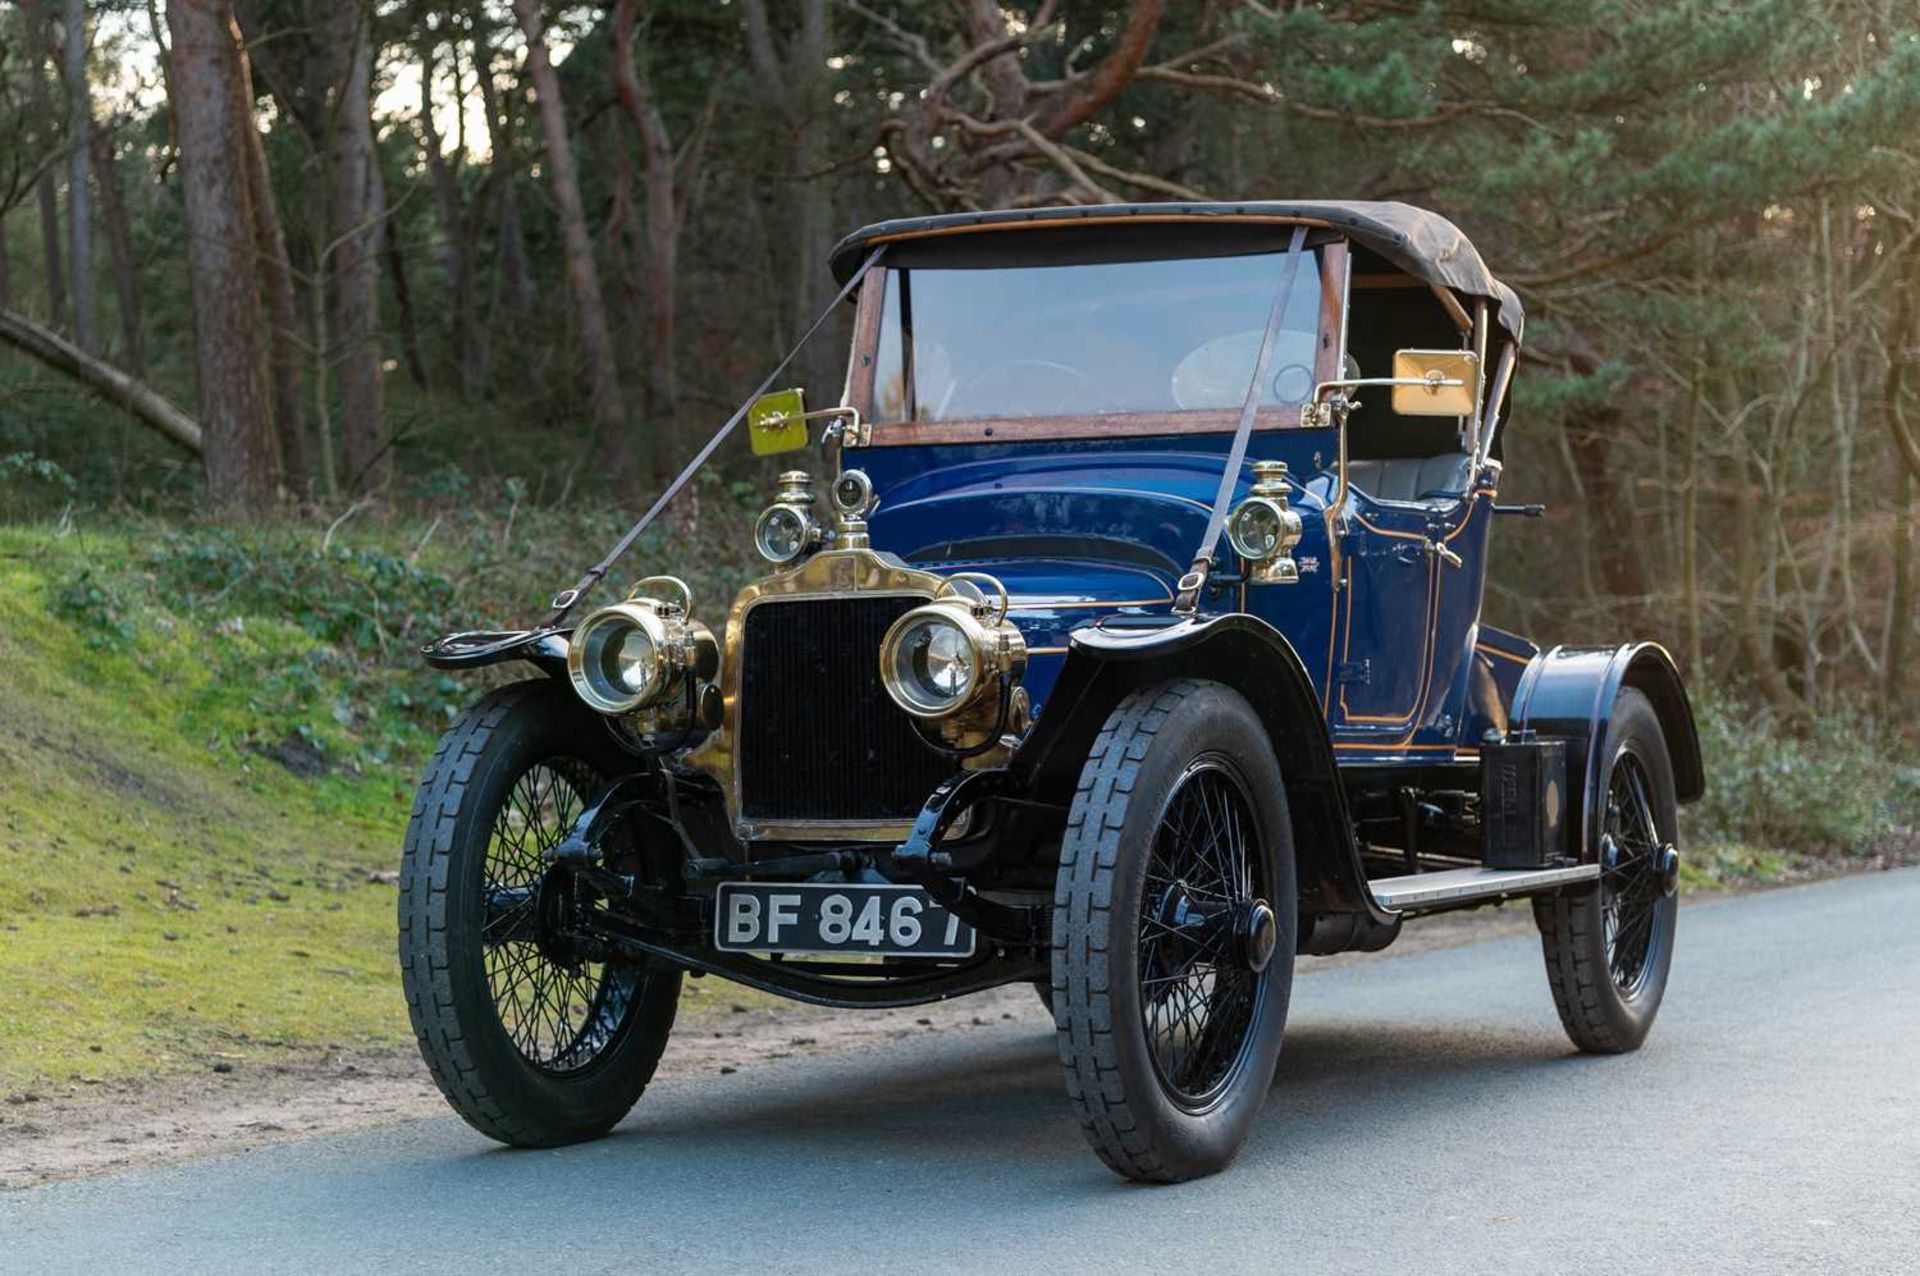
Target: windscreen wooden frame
870,316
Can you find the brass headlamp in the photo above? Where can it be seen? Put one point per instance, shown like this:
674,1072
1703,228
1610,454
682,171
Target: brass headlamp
1263,530
638,655
955,661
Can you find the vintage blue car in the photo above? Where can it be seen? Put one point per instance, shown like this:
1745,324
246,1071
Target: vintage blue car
1122,636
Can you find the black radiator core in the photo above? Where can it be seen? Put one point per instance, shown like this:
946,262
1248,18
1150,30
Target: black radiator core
819,738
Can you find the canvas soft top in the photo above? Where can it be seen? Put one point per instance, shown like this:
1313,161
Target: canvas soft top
1424,244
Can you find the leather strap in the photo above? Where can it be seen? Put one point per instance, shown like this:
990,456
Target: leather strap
1194,583
567,599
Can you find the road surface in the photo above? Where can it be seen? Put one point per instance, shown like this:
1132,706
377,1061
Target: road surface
1428,1117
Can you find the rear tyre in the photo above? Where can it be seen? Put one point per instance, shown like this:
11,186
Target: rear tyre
534,1043
1173,932
1609,947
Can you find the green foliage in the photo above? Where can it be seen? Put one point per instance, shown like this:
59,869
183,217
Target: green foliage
18,466
364,599
30,483
1837,788
95,610
301,633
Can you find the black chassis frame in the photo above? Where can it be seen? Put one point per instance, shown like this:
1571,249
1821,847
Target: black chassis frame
991,875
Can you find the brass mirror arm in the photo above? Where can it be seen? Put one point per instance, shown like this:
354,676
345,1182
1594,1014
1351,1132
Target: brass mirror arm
850,425
1333,410
1432,382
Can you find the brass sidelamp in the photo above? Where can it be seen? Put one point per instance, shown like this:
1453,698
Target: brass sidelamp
1264,529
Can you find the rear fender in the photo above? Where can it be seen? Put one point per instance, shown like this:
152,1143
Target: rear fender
1243,652
1569,693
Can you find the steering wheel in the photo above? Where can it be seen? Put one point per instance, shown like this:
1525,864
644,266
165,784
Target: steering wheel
1036,404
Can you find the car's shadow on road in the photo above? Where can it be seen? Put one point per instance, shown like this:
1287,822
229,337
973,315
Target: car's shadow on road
1002,1105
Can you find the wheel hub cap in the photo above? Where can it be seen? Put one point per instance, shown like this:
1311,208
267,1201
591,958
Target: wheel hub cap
1259,935
1666,864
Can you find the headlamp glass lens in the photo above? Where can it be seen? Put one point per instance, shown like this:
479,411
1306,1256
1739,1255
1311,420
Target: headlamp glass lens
933,664
1255,530
634,660
943,660
782,534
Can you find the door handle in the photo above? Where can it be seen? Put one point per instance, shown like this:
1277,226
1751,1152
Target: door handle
1446,555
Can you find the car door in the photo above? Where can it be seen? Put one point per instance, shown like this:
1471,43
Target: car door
1383,661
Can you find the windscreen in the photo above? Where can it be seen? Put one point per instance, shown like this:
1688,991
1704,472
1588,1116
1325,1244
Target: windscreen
1107,337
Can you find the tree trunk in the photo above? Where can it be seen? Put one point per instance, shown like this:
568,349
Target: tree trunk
397,272
1899,641
126,279
1754,623
6,266
794,81
1690,529
110,383
354,237
513,247
239,443
1901,337
73,42
454,231
583,278
50,250
663,217
1589,432
277,297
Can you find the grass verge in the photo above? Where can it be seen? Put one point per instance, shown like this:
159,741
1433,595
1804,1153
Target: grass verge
208,746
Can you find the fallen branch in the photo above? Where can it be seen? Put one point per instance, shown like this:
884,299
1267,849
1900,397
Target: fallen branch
116,387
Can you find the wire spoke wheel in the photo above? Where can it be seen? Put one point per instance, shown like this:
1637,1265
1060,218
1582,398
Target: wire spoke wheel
1609,947
532,1034
1197,989
1630,883
560,1011
1174,930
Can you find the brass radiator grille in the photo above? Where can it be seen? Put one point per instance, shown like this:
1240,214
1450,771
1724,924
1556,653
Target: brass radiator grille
819,738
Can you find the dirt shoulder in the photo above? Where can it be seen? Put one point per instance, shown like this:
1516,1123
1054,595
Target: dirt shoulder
77,1130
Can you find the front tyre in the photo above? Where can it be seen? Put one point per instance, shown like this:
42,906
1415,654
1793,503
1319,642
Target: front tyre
1173,932
1609,948
533,1041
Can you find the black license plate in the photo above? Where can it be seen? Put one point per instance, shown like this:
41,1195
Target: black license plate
830,917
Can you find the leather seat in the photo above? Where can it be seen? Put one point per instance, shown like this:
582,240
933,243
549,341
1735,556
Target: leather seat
1413,478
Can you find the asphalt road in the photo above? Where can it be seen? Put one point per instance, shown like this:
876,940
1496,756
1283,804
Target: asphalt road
1428,1117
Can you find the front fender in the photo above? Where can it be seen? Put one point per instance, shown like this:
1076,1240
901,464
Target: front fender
1105,663
546,649
1569,692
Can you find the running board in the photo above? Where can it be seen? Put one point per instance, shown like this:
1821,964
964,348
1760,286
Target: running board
1423,890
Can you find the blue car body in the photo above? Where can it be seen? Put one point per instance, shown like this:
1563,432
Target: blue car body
1016,713
1080,532
1376,677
